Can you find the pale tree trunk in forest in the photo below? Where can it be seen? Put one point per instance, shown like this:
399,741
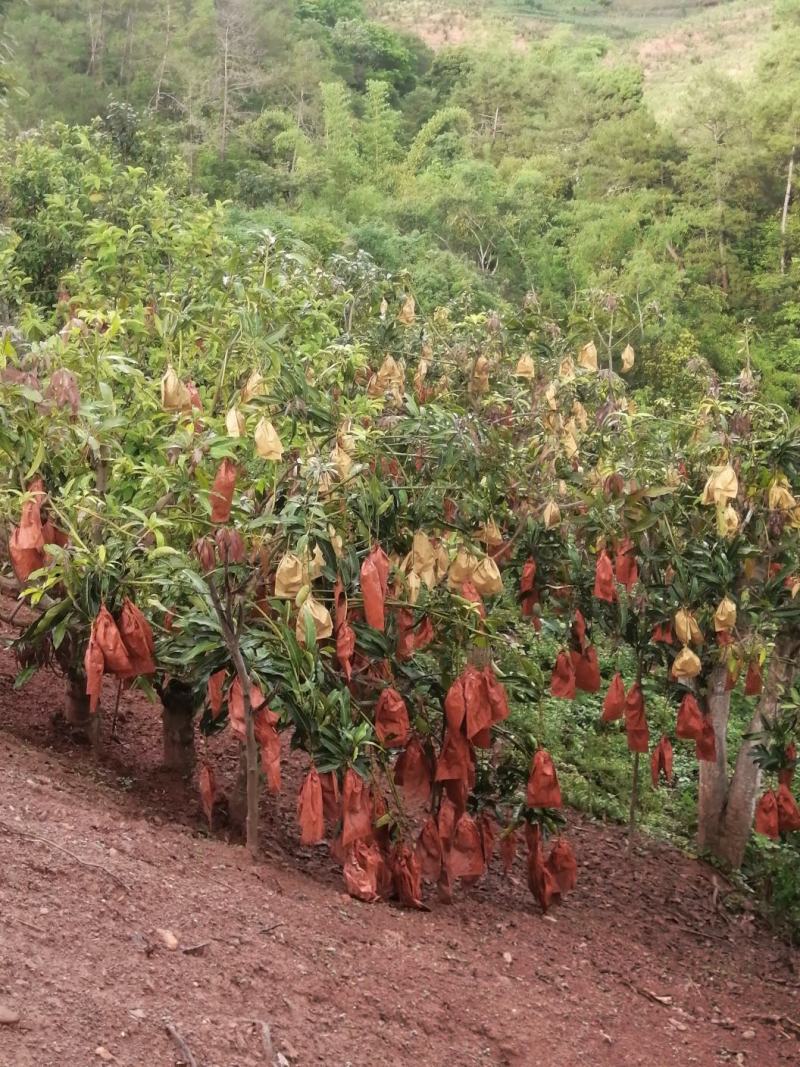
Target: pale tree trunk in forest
240,63
495,124
127,49
192,149
726,807
724,276
300,120
722,246
96,40
223,141
723,260
162,69
786,202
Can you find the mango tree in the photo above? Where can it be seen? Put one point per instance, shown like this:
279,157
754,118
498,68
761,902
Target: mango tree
684,529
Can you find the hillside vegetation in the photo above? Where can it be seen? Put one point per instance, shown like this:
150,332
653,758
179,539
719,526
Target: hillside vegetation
383,397
276,495
672,43
615,17
487,170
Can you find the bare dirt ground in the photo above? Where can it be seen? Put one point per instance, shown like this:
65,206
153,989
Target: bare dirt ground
637,967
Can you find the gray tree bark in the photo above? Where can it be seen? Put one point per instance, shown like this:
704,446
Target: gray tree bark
727,806
76,709
786,202
177,717
714,776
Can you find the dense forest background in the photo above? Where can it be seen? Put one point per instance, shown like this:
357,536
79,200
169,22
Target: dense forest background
507,153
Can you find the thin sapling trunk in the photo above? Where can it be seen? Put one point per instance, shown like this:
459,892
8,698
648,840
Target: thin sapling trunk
177,718
80,720
231,639
634,802
634,779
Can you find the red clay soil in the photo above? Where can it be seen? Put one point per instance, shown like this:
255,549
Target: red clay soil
641,965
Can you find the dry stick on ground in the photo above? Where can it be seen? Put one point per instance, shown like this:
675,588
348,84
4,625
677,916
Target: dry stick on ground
30,926
725,938
778,1020
60,848
266,1041
646,993
779,981
196,950
180,1041
274,1059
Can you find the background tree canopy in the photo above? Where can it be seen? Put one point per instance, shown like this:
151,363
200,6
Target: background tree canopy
525,159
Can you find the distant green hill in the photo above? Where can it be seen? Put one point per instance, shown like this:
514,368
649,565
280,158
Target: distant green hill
619,18
672,41
622,18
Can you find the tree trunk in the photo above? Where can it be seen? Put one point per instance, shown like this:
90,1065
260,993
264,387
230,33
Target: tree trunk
724,276
223,143
81,721
156,98
96,40
299,120
634,803
237,798
746,782
786,202
722,246
177,718
714,776
126,49
253,782
251,748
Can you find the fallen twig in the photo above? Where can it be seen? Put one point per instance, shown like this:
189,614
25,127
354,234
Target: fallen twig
269,929
646,993
180,1041
275,1059
266,1042
779,981
30,926
703,933
60,848
196,950
778,1020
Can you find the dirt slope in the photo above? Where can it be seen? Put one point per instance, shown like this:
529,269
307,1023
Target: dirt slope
637,967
